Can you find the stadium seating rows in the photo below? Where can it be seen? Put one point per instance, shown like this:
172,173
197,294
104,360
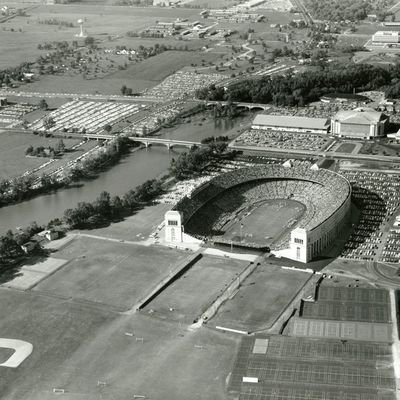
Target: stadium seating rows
321,191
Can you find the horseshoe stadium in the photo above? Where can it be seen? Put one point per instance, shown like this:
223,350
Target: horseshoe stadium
294,212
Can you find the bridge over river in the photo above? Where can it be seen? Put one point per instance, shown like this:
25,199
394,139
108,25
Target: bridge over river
148,141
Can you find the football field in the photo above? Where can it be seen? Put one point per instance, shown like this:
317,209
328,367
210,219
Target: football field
264,223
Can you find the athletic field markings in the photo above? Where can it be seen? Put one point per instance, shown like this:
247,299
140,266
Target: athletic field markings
22,351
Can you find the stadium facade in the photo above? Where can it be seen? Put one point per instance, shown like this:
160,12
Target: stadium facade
325,194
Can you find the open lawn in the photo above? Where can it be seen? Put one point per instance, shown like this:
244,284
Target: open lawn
13,161
109,272
187,298
140,76
137,227
20,36
261,298
55,328
382,149
346,148
75,346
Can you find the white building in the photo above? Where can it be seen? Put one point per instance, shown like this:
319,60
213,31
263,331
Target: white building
290,124
173,227
386,37
361,123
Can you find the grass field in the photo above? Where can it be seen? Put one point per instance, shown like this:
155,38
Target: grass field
382,149
137,227
139,77
266,223
191,295
346,148
260,299
21,35
13,161
111,273
76,345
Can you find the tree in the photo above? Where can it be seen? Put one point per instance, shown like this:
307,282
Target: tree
9,248
43,104
89,41
102,205
107,128
117,207
60,147
123,90
48,122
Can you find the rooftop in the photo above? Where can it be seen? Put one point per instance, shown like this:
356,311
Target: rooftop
359,116
290,122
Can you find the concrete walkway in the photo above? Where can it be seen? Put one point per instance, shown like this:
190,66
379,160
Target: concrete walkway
396,342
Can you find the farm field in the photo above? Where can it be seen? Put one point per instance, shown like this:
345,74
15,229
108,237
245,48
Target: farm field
13,161
110,273
188,297
260,299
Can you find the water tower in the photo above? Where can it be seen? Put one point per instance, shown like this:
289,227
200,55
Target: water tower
81,33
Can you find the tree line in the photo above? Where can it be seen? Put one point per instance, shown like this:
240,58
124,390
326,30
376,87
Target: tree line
106,208
21,188
300,89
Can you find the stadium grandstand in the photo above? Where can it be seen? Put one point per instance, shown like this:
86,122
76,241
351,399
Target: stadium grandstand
308,206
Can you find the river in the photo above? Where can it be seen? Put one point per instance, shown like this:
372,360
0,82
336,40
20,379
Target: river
131,171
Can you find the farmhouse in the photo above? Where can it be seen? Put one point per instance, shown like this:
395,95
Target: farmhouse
290,124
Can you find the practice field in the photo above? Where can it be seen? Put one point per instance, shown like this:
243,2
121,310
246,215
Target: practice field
298,369
13,161
188,297
55,328
110,273
264,223
90,353
137,227
261,298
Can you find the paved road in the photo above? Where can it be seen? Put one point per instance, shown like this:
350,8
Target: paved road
325,154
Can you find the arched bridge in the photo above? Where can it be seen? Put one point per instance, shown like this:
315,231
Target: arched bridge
148,141
170,143
249,106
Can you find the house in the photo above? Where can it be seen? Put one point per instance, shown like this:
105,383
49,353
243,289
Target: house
28,247
49,234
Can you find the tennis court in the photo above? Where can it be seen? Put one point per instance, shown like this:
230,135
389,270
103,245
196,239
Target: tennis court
305,368
342,330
